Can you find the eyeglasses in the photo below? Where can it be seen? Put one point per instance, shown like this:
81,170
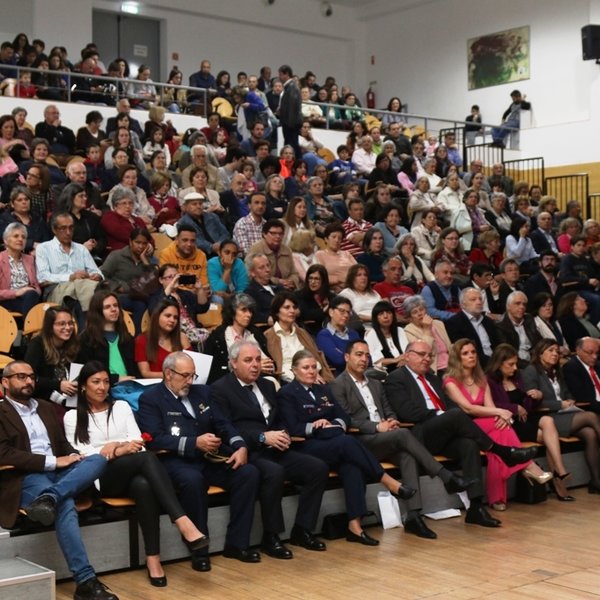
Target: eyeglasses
191,376
65,227
64,324
277,232
33,175
451,238
344,311
428,355
23,376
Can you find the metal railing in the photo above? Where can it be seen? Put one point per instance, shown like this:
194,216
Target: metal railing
488,155
530,170
569,187
592,207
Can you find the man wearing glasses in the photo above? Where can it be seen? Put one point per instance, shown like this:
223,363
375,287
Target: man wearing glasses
416,396
582,373
203,449
48,474
64,267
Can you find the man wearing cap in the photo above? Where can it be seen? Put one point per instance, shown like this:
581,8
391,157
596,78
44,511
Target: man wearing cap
511,118
210,232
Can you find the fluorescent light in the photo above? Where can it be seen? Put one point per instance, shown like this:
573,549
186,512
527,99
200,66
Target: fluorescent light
130,7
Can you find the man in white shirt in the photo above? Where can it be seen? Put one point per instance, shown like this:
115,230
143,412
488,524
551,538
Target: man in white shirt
380,431
364,158
65,268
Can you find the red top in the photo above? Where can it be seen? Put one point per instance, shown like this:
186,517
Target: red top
118,229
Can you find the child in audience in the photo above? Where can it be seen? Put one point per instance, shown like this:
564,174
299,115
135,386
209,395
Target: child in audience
25,89
248,170
342,168
94,164
155,143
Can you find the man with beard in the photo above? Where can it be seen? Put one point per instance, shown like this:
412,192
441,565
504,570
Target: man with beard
48,474
545,279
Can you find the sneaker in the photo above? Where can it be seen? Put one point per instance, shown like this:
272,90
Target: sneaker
93,589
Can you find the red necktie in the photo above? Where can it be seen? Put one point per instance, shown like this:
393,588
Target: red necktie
595,379
435,399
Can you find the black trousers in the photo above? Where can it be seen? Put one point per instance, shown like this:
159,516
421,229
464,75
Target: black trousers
192,477
308,473
454,434
355,465
142,477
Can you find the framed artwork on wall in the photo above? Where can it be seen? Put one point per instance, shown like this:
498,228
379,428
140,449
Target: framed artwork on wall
498,58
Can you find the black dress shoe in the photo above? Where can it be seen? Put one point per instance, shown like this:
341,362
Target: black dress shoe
197,544
516,456
417,527
478,515
458,484
303,537
157,581
271,545
42,510
364,538
93,589
404,492
247,555
201,563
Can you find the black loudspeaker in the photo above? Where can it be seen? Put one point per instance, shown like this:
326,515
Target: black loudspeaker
590,42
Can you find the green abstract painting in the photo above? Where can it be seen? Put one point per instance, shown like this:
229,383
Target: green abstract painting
498,58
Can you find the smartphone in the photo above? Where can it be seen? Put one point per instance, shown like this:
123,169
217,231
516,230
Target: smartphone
187,280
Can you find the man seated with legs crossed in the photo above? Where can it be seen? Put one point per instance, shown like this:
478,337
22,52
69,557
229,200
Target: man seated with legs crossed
415,394
379,430
248,401
48,474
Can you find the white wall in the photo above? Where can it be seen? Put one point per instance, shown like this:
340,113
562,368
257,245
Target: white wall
421,56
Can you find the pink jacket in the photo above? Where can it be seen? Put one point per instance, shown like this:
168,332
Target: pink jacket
5,292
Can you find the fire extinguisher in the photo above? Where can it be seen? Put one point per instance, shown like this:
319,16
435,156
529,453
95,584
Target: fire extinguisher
370,98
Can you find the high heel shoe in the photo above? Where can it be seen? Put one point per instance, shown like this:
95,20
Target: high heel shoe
563,476
197,544
566,497
157,581
542,478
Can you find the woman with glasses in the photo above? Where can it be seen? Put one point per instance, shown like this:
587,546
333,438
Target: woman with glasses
41,196
314,298
50,354
333,339
450,249
101,425
119,223
162,337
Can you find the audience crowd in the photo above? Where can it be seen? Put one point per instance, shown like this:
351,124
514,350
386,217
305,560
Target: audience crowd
354,292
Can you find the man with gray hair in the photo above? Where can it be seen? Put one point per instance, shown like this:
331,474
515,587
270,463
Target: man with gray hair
441,294
364,158
518,328
582,373
203,449
248,400
65,268
472,323
199,156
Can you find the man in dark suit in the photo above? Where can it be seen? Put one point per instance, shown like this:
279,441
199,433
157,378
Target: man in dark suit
181,419
379,430
260,287
542,237
518,329
123,106
582,373
48,474
248,400
482,279
290,113
416,396
472,323
511,276
545,279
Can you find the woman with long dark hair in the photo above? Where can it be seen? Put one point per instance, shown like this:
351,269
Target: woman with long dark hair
386,340
162,337
508,392
543,381
314,297
103,426
106,338
51,352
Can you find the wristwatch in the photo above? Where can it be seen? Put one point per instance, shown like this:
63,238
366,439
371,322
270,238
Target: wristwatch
261,438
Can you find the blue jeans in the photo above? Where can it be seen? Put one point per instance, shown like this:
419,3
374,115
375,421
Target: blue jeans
23,304
64,484
499,133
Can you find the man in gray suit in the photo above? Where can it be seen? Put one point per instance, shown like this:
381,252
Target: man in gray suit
380,431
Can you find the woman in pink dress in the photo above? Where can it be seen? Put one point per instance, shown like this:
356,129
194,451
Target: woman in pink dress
466,385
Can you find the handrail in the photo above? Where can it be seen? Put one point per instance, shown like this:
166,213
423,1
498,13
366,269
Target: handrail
205,93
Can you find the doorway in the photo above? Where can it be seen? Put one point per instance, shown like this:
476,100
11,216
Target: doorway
136,39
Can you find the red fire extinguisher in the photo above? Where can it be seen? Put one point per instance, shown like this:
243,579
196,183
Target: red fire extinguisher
370,98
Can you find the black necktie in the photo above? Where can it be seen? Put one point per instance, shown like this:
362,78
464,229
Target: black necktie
253,396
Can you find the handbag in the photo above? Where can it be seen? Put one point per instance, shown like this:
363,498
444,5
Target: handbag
144,286
389,510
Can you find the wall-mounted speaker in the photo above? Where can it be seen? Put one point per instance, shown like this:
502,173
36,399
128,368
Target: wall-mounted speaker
590,42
